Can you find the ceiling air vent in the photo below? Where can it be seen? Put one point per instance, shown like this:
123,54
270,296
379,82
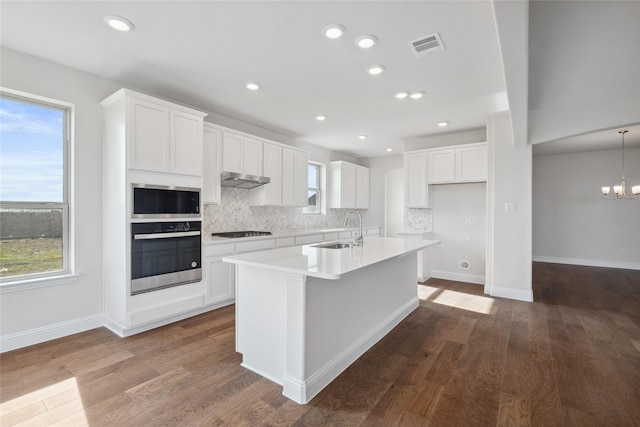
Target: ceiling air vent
426,45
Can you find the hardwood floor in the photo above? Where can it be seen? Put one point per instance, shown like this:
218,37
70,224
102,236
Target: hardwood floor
461,359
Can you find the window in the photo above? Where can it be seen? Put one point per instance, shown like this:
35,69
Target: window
314,189
34,207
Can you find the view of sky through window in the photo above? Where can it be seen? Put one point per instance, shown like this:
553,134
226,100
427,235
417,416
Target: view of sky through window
31,152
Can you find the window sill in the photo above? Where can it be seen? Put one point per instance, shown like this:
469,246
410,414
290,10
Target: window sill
40,282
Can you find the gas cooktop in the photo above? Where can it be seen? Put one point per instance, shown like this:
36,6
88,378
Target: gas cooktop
236,234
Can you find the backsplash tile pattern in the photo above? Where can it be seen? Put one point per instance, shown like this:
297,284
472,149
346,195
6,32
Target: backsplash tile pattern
419,220
234,213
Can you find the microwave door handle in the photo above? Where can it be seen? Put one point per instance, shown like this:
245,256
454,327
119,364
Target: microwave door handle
165,235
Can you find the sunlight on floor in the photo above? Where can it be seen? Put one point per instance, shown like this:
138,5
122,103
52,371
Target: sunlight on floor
460,300
57,403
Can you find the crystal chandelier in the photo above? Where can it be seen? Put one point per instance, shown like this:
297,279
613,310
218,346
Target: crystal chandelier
620,190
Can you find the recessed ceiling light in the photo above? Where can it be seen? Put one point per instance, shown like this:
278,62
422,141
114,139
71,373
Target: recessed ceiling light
416,95
389,149
321,118
253,85
118,23
362,136
366,41
334,31
402,95
374,70
442,124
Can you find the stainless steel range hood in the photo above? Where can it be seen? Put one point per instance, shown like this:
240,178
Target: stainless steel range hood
238,180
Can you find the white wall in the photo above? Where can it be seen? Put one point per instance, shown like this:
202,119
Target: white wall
572,222
452,205
78,305
508,233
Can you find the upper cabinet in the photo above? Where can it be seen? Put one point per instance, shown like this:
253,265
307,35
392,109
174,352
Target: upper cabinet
349,186
416,188
161,136
294,177
269,194
241,154
466,163
212,164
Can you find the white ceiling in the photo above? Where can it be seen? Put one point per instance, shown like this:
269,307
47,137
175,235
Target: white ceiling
201,53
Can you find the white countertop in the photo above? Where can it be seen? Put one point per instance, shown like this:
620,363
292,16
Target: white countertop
309,260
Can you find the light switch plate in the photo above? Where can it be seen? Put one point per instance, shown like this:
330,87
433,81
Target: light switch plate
510,207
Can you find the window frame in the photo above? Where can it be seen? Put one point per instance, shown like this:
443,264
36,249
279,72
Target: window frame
65,274
320,190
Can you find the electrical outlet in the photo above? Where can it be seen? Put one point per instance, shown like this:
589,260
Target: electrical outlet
467,237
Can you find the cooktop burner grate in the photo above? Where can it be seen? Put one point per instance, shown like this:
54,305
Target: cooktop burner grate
236,234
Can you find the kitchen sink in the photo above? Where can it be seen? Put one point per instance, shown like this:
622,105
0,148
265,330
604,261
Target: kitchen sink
334,245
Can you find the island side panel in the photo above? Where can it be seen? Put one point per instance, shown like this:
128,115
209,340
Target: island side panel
261,321
346,317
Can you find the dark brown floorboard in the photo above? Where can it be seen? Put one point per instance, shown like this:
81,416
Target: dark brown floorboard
571,358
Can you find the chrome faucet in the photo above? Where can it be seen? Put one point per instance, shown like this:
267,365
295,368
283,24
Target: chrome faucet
359,238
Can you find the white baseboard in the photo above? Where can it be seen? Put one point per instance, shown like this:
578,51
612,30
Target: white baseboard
50,332
304,391
526,295
588,262
458,277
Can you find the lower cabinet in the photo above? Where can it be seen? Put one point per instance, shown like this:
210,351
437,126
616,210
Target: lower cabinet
221,281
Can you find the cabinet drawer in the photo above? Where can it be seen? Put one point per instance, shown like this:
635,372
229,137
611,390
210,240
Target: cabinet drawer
305,240
285,241
344,235
255,245
372,232
331,236
214,250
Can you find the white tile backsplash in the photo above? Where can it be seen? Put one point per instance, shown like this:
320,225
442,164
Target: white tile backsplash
419,220
234,213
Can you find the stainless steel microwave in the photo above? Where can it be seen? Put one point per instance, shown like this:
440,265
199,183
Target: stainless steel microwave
156,201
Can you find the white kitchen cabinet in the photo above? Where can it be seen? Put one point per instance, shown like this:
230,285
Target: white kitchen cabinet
162,137
466,163
416,179
269,194
471,163
441,166
241,154
294,177
221,280
349,186
212,149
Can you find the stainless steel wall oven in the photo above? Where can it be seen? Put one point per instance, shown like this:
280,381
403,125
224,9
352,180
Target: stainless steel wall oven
165,254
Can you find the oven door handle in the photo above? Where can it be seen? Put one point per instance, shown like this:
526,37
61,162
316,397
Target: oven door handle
165,235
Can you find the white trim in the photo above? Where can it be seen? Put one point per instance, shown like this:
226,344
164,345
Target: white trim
40,282
458,277
512,294
304,391
588,262
50,332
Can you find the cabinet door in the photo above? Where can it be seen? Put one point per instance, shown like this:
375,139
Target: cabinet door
220,281
211,169
348,186
272,168
294,178
252,157
362,188
471,164
415,166
186,143
231,152
441,166
149,146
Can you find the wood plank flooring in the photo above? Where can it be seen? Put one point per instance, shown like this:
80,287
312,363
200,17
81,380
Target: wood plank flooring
571,358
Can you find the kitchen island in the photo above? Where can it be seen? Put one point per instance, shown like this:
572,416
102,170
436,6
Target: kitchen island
305,313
